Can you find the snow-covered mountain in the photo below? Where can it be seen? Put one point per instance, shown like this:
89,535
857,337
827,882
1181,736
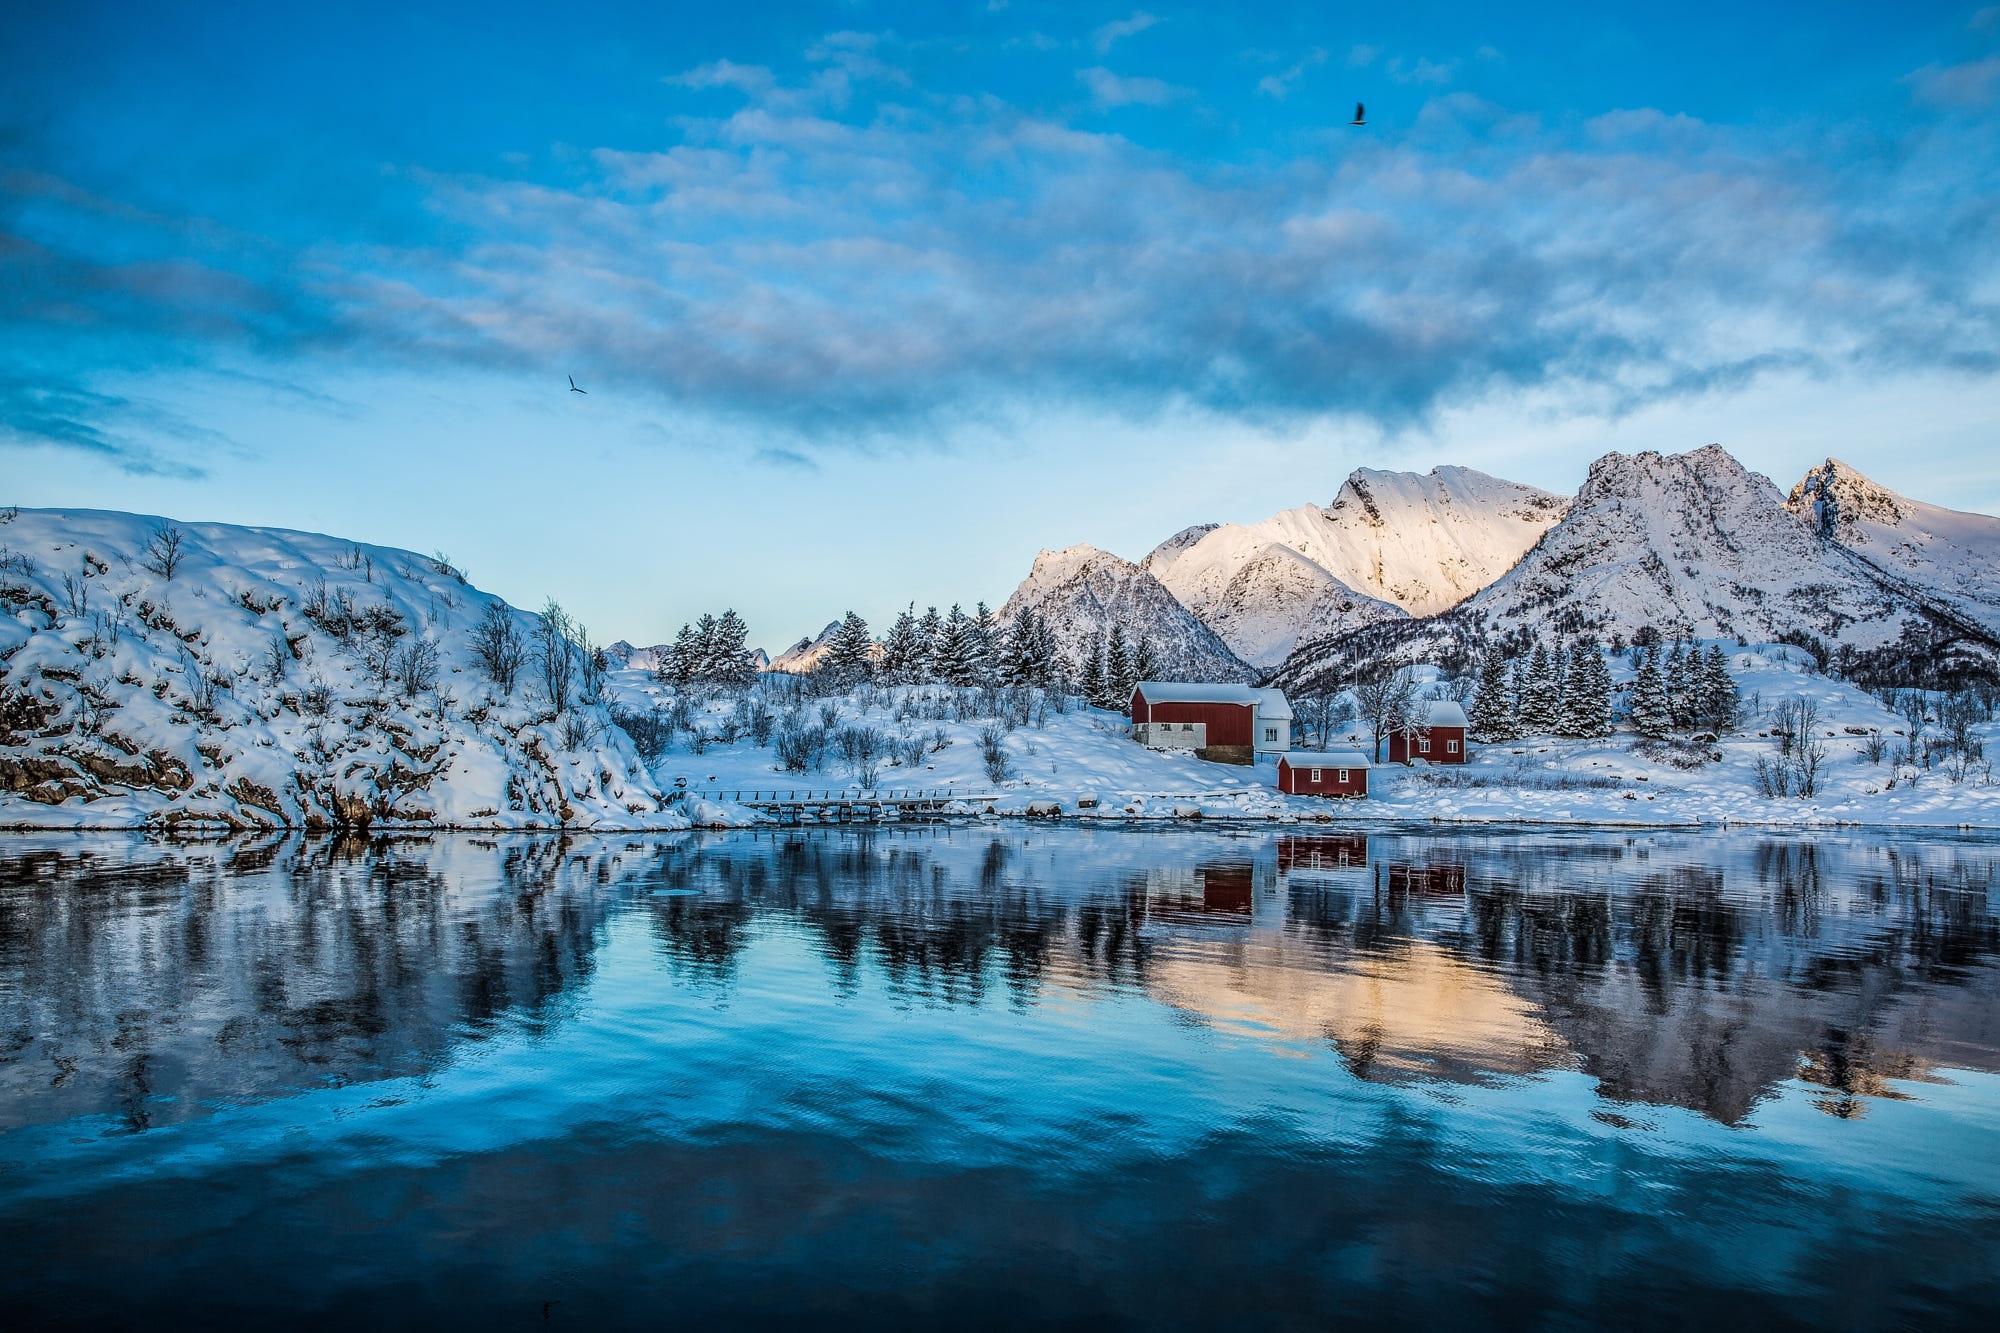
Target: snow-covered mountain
806,654
1082,591
1391,544
1948,554
202,673
1692,544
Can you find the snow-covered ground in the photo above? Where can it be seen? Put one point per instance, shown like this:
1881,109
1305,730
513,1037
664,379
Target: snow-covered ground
276,678
1083,755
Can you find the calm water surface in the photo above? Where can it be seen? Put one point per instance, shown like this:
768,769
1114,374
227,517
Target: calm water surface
985,1076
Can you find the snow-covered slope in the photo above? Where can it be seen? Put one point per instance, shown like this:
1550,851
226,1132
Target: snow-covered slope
1951,555
806,654
1259,595
1082,591
1391,544
1693,544
276,679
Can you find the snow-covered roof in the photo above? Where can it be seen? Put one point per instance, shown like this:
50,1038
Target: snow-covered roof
1442,713
1194,692
1326,759
1271,703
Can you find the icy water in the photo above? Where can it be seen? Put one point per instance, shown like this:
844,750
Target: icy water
989,1076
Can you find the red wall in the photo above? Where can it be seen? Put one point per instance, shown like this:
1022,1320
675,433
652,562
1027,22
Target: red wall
1228,724
1298,781
1438,754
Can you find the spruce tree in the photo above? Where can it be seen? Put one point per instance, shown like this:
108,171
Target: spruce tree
848,656
729,655
1680,688
1541,694
1575,719
1718,693
1090,672
1118,678
983,651
1596,715
1144,665
1492,711
1652,714
930,636
902,650
1046,672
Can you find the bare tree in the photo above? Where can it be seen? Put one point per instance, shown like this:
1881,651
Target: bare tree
416,666
555,652
164,550
1387,703
499,647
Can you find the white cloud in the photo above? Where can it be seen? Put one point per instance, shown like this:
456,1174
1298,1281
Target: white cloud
1114,32
1971,85
1108,90
1278,85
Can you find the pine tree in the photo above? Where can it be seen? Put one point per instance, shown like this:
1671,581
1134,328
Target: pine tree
1576,718
1652,714
984,647
730,657
848,655
1680,688
1090,671
1492,708
1718,693
1144,665
1118,678
902,649
1540,695
1597,716
1045,652
682,660
1020,660
930,639
953,660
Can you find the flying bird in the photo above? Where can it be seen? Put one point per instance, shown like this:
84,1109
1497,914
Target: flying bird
574,389
1360,115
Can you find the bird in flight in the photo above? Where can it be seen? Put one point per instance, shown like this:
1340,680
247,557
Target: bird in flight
1360,115
574,389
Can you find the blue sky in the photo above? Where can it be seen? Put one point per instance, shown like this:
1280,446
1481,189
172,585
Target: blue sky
873,301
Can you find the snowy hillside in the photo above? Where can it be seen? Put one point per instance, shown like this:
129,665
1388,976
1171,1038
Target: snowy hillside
1696,545
1392,544
1260,595
202,673
1082,591
1945,553
806,654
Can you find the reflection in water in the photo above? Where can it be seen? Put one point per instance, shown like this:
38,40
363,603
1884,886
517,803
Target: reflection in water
965,1010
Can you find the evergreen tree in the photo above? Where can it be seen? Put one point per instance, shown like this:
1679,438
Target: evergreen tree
1681,697
1144,665
1540,695
1118,678
1090,671
1021,661
1492,707
953,660
848,655
681,661
730,660
902,650
1575,718
1045,652
984,646
930,641
1597,717
1652,714
1717,710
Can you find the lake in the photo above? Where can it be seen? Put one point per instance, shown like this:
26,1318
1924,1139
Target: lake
991,1075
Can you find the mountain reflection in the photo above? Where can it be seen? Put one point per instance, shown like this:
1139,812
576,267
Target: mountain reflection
150,982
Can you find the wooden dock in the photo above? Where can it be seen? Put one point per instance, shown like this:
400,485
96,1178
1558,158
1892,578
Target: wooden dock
831,807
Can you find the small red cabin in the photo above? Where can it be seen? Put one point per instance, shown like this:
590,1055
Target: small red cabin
1225,714
1325,773
1439,738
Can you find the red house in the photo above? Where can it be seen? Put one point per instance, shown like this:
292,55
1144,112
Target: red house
1439,738
1217,722
1323,773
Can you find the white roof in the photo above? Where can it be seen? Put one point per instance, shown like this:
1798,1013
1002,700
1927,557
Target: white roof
1271,703
1326,759
1190,692
1442,713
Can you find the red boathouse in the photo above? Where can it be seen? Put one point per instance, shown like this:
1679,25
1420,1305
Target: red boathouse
1219,721
1439,737
1323,773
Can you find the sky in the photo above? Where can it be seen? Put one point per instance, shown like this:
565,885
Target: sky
873,301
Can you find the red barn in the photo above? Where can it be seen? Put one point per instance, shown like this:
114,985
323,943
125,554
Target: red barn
1218,722
1323,773
1439,738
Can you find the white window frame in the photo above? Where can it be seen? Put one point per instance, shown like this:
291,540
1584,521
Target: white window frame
1343,776
1270,733
1423,745
1315,775
1451,747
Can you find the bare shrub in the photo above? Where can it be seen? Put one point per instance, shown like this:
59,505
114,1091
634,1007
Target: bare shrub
993,753
416,667
166,548
498,647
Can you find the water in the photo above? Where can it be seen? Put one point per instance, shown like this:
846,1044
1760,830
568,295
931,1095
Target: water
986,1076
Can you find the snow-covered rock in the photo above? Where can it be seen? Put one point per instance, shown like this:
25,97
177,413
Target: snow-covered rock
1945,553
1694,544
1391,545
1081,592
806,654
264,685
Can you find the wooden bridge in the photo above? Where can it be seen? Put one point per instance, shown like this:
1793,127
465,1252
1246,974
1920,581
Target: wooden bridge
832,807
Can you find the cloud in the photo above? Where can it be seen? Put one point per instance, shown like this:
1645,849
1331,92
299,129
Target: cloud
1985,20
1972,85
1114,32
822,275
1278,85
1108,90
790,459
1422,70
47,412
